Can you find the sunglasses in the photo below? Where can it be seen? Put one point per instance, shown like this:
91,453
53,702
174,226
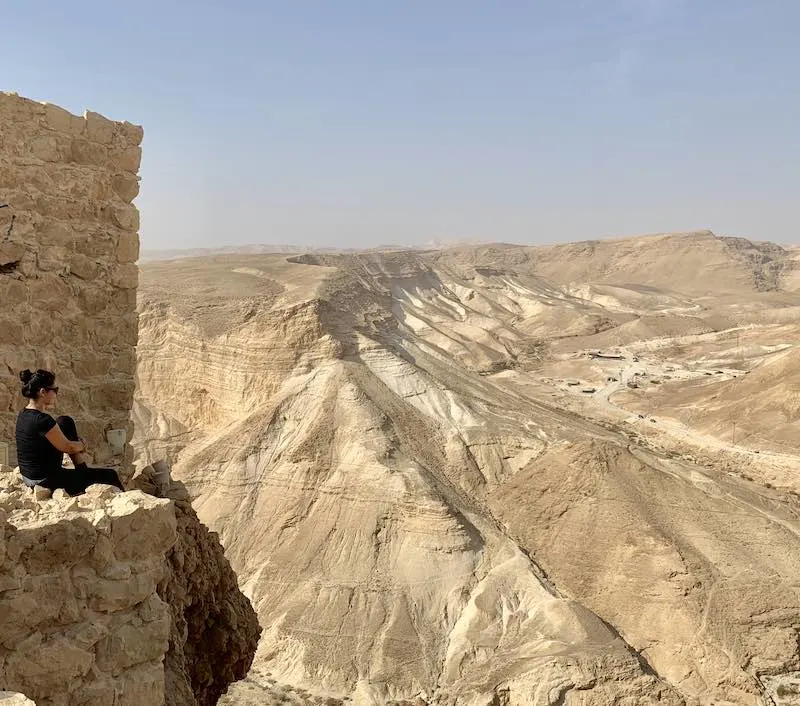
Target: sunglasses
52,389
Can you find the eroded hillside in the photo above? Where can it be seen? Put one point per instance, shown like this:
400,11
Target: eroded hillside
430,490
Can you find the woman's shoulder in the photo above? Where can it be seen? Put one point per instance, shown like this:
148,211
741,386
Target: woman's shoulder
35,417
33,413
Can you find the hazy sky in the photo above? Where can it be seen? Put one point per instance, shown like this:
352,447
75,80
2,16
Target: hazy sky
344,122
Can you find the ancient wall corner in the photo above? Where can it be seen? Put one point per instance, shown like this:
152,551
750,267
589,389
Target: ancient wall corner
68,275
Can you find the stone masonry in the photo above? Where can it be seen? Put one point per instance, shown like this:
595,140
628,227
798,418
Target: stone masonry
68,271
81,621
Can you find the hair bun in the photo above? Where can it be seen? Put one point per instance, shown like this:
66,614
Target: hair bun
26,376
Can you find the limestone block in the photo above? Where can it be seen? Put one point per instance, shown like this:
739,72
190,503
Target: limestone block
141,525
52,547
11,331
44,147
85,152
103,492
68,208
49,292
41,331
128,248
83,267
123,300
92,300
22,199
132,133
100,691
11,252
122,358
51,592
113,394
12,290
98,128
153,608
131,644
42,667
126,186
110,595
102,554
57,118
89,363
78,126
125,217
126,276
56,233
97,243
53,259
141,685
127,159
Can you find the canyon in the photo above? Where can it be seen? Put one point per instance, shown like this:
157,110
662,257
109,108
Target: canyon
493,474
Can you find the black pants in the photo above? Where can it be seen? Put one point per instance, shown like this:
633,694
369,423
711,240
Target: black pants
76,481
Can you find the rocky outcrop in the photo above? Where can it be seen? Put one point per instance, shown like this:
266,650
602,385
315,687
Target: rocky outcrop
107,598
214,630
115,598
81,621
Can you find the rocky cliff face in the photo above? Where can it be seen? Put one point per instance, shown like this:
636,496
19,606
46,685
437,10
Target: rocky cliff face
214,630
115,598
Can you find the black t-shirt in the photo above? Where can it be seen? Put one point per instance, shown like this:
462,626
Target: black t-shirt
36,456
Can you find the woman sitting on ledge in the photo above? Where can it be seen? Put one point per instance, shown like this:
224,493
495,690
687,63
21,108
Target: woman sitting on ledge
42,442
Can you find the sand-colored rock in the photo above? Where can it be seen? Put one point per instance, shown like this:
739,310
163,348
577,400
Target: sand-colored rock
117,598
8,698
79,609
107,598
419,509
67,278
214,630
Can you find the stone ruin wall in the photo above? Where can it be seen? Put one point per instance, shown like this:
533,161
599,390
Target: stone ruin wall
81,620
113,599
68,271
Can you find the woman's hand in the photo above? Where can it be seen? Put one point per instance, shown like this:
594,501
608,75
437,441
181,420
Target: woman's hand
56,437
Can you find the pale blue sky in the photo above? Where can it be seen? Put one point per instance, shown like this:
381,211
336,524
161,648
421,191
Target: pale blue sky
357,123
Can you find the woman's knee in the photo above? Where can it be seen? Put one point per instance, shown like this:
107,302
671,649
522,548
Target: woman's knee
68,426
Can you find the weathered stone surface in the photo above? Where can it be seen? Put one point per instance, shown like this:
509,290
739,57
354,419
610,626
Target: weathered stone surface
214,631
8,698
108,597
69,181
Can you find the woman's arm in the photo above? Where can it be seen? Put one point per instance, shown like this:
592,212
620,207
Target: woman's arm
56,437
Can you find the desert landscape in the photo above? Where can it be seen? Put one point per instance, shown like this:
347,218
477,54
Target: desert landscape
493,474
436,354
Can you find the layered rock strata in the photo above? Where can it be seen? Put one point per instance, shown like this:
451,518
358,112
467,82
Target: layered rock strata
416,518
